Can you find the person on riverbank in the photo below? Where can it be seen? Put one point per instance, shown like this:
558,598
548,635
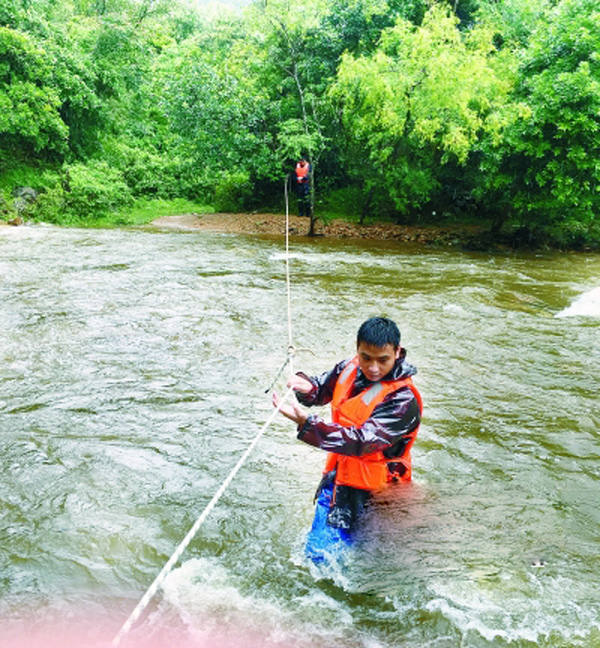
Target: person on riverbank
303,169
376,412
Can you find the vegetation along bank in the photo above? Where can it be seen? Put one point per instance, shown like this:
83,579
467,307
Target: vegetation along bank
478,113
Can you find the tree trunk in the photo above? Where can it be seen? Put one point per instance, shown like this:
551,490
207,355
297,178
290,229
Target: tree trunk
366,206
313,157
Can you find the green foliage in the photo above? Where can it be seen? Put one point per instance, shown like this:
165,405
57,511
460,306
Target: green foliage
295,141
118,55
9,13
94,189
353,203
82,192
233,192
513,20
543,168
81,108
146,172
215,113
29,105
404,107
418,103
19,173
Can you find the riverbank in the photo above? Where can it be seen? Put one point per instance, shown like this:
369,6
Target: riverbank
467,236
272,223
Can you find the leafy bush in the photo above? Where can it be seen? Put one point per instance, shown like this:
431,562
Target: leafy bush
153,174
233,192
544,167
576,235
94,189
148,173
50,207
82,192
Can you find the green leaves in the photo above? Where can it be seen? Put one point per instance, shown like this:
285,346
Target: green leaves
218,117
421,99
29,105
82,193
549,158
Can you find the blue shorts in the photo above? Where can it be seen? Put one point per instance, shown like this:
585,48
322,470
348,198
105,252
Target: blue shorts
323,541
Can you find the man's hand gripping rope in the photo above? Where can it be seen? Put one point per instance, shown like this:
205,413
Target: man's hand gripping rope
293,411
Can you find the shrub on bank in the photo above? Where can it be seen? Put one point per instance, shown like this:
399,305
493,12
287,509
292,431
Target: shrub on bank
233,192
82,192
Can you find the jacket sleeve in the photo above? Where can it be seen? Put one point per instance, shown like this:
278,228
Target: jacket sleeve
322,386
389,429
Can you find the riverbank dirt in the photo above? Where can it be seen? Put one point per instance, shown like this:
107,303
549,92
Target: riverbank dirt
256,223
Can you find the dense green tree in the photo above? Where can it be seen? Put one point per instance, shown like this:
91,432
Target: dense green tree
297,56
10,13
543,168
513,21
217,114
30,104
418,103
296,79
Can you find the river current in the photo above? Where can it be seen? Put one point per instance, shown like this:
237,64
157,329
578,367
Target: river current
134,365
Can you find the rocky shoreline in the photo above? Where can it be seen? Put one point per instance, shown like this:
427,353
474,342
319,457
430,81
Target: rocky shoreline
257,223
273,224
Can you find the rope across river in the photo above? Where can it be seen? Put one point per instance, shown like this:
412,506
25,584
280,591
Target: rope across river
158,581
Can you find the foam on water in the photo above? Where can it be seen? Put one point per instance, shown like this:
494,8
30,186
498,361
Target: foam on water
282,256
212,604
586,305
517,608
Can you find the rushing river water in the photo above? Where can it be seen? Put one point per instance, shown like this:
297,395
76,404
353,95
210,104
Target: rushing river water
133,377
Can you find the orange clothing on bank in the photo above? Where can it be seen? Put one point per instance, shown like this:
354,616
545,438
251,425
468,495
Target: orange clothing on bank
302,172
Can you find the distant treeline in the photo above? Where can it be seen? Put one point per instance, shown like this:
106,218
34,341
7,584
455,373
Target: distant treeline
409,110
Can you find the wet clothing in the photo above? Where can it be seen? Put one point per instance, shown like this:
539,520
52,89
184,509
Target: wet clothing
369,471
303,191
389,429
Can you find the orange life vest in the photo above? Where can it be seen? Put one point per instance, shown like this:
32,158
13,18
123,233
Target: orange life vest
302,172
368,472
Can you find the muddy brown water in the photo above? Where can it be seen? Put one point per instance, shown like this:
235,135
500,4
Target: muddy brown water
134,365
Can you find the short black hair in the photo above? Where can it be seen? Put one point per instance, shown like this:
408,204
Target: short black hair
379,331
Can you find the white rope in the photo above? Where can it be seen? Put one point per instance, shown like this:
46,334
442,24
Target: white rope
141,606
158,581
287,278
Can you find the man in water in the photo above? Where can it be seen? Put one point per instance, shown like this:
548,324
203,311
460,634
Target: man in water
376,412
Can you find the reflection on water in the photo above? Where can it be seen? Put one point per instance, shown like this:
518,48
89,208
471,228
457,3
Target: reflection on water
134,365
